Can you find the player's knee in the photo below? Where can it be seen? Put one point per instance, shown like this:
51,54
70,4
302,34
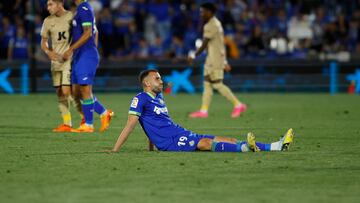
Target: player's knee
66,93
85,92
58,91
218,85
233,140
204,144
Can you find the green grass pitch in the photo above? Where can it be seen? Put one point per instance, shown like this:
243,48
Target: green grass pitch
37,165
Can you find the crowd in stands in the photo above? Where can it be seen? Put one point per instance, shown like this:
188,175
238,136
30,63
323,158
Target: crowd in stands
159,29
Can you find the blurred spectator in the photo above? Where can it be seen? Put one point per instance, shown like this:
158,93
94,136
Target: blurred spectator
318,28
299,28
7,32
177,49
342,27
157,50
160,9
19,47
231,47
140,14
353,35
106,32
142,51
280,23
123,18
168,29
256,45
301,50
331,43
97,6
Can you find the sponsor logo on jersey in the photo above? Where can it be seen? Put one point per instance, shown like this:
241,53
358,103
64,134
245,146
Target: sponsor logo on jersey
134,102
158,110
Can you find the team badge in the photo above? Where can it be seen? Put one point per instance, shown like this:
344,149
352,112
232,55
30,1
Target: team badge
134,102
161,101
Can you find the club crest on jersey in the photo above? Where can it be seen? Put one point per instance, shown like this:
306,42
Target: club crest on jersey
74,23
161,101
134,102
158,110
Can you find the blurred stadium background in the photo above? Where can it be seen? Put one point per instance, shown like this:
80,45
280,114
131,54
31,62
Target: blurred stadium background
273,45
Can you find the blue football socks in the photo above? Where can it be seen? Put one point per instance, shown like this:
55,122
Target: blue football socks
88,109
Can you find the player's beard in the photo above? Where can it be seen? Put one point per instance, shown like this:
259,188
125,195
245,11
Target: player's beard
158,89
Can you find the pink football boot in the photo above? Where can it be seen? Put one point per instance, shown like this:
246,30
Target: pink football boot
199,114
238,110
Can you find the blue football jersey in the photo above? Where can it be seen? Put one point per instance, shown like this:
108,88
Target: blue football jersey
84,17
155,120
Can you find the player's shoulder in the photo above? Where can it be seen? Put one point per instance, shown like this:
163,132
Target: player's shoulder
83,7
142,95
69,14
48,19
212,22
209,26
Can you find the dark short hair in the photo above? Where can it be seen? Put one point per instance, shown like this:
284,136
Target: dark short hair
59,1
209,6
145,73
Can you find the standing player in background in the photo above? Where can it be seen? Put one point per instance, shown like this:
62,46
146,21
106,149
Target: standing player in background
149,108
215,63
85,62
56,30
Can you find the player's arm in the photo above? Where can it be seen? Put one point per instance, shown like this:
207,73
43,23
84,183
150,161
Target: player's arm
87,33
199,50
202,47
45,47
96,37
151,146
129,127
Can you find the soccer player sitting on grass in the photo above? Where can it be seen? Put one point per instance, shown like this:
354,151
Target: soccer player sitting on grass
149,108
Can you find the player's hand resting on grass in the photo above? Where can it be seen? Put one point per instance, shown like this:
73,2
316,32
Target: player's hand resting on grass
109,151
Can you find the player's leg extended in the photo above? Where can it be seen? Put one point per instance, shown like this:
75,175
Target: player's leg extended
229,95
225,144
206,100
282,145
